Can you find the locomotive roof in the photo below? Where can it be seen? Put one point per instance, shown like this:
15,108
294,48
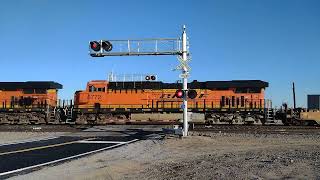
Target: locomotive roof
30,85
194,84
238,84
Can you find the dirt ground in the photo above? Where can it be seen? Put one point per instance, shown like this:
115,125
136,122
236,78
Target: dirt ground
213,156
13,137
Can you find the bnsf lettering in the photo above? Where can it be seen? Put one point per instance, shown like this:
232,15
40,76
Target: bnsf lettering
167,96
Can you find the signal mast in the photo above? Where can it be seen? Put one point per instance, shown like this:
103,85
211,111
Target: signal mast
151,47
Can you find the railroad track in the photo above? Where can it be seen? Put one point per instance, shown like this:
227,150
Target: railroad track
254,129
258,129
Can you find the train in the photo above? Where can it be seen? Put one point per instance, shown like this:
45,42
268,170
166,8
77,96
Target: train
28,102
146,101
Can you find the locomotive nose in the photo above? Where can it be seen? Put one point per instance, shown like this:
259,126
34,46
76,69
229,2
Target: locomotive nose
80,97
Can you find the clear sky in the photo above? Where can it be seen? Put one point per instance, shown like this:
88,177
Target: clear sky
277,41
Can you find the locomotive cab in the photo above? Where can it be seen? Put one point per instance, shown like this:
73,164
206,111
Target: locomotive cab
93,93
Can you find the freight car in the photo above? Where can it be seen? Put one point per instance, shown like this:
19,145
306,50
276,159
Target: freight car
297,116
233,102
28,102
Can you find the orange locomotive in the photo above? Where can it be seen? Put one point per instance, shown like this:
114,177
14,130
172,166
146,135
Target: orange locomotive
27,102
103,102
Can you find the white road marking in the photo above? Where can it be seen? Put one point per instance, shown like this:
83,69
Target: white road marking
67,158
101,142
29,140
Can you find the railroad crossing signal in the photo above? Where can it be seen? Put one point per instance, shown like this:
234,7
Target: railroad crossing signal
180,93
159,46
136,47
191,93
106,45
96,46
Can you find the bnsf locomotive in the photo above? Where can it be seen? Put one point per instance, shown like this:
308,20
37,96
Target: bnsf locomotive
28,102
156,102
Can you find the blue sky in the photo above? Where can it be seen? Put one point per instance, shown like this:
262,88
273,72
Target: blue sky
273,40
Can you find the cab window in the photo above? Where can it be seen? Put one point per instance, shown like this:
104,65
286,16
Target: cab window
101,89
92,89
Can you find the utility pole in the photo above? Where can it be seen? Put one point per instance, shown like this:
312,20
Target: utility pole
294,96
151,47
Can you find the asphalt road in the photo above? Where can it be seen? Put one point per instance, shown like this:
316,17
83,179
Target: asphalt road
28,156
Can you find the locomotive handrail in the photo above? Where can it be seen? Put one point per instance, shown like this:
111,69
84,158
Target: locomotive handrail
208,104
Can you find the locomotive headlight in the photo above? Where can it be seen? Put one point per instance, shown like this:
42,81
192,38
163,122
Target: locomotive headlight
153,78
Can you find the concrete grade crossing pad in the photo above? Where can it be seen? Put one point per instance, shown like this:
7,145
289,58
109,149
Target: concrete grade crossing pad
27,156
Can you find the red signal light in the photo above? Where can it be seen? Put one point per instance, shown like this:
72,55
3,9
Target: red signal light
179,93
95,45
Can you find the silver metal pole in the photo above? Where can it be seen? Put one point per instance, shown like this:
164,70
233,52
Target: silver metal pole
185,81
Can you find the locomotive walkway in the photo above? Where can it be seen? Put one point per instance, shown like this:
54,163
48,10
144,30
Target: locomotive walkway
27,156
